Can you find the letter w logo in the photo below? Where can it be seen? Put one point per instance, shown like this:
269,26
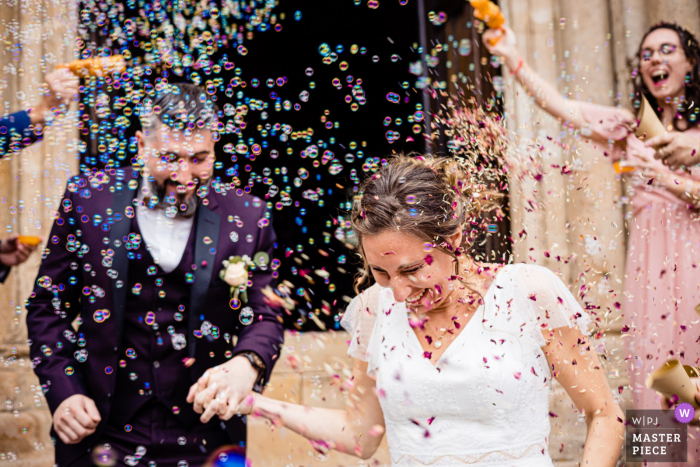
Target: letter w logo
685,413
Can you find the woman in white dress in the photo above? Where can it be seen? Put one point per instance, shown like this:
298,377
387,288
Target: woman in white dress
453,359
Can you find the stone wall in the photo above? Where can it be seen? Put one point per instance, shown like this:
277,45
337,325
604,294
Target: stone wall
36,36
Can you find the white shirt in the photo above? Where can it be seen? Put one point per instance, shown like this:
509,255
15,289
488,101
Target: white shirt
165,238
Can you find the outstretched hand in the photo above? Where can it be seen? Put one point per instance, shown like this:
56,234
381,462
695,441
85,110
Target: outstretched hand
224,390
506,47
59,88
13,252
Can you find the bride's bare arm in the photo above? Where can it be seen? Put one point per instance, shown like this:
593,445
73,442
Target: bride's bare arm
357,430
576,366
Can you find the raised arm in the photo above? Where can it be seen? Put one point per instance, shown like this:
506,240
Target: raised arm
357,430
545,94
22,128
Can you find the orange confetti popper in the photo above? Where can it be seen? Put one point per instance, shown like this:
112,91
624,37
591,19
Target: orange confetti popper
99,66
489,13
621,168
31,240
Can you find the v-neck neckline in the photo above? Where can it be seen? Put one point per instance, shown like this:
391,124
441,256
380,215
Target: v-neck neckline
480,308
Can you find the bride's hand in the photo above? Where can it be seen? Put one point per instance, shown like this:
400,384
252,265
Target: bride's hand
247,405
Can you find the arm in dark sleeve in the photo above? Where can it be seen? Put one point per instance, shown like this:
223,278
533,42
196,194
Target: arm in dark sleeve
16,132
265,335
4,271
52,306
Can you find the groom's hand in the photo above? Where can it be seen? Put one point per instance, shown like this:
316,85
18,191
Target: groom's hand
75,418
221,389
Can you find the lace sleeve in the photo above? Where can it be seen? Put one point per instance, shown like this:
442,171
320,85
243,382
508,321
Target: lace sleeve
547,303
359,321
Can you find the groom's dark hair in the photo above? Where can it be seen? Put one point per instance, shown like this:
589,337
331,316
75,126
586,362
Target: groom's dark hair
181,106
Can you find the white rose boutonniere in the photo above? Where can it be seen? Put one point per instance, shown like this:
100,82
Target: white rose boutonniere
235,274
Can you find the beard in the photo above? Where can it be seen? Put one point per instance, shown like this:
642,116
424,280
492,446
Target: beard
169,190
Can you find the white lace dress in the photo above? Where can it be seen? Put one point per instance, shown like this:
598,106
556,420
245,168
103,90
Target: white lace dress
486,400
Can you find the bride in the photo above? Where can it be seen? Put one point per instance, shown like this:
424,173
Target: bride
453,359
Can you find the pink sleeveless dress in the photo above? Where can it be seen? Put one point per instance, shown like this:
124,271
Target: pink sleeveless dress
662,283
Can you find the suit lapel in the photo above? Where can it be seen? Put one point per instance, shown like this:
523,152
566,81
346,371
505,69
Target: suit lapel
207,225
120,229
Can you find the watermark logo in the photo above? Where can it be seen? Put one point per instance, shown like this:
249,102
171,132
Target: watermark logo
657,435
684,412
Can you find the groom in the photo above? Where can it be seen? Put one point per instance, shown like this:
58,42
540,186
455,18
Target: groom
137,256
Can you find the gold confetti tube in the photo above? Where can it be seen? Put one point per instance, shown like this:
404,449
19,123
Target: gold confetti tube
99,66
674,378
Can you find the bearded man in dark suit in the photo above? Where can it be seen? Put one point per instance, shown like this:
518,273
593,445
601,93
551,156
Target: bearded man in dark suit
165,268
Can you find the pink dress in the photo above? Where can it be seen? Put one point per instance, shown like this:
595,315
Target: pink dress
662,273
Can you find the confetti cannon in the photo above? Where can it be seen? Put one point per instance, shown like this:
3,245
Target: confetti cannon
489,13
674,378
31,240
97,66
649,124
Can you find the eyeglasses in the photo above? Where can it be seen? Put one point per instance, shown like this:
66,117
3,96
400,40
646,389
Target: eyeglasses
666,49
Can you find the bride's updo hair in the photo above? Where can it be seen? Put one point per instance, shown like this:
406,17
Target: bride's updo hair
426,197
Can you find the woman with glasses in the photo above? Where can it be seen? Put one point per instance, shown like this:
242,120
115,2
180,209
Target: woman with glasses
663,258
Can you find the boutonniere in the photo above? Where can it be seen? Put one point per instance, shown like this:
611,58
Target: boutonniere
235,274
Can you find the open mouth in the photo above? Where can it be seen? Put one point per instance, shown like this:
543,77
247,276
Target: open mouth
416,298
659,77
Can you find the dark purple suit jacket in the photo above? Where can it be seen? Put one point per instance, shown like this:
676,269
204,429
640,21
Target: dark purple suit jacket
104,211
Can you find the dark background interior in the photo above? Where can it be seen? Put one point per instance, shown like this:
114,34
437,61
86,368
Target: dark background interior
390,30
